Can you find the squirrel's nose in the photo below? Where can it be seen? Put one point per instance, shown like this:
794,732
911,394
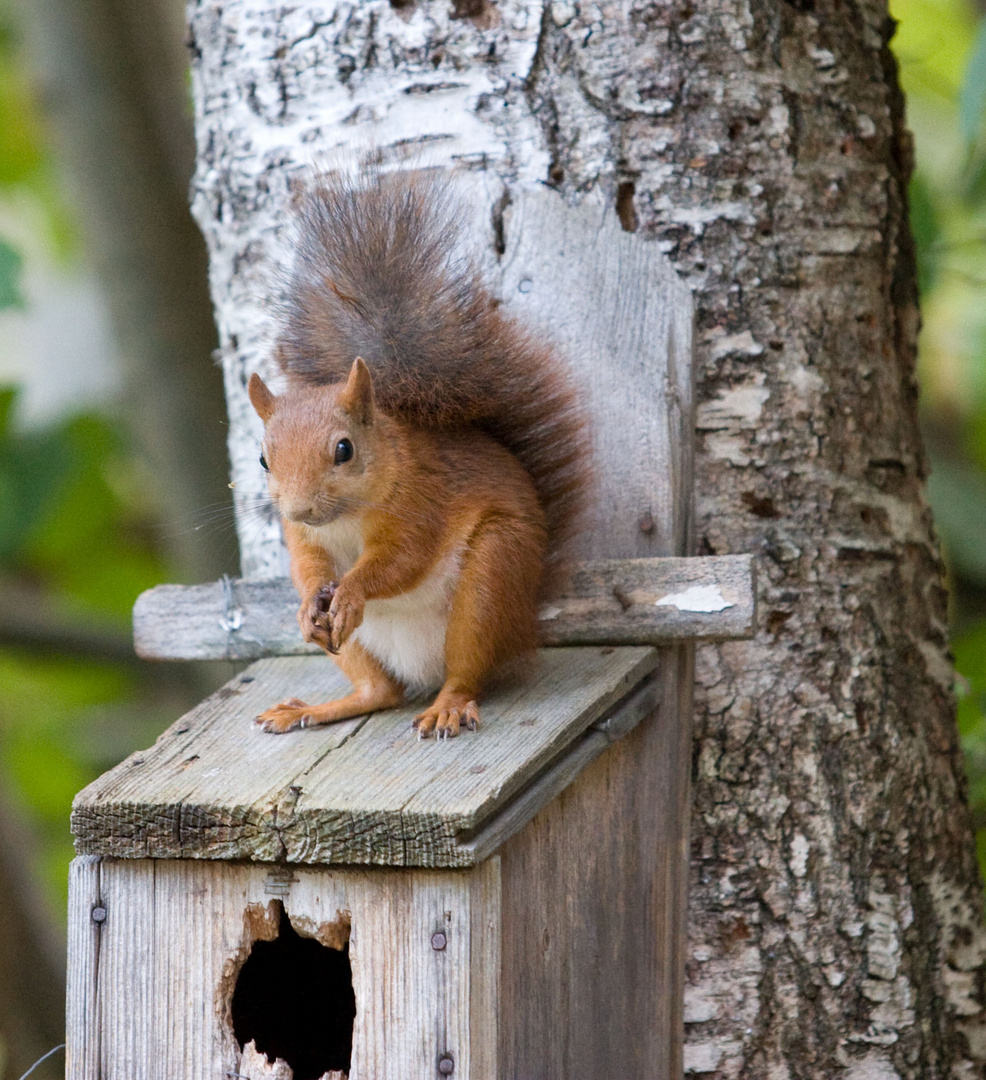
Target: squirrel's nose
303,513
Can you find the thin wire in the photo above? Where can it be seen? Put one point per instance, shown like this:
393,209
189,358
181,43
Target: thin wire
60,1046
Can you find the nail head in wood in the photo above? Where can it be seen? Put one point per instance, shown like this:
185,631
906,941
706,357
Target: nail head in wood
438,941
98,914
446,1066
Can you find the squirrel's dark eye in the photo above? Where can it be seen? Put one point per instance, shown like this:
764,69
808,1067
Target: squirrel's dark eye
263,462
344,451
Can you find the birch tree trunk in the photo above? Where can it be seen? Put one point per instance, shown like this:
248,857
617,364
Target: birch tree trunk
836,915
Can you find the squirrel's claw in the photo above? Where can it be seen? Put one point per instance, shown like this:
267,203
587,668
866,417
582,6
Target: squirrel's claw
446,723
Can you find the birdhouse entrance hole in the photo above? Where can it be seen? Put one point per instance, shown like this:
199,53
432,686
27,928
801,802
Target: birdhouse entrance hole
294,1000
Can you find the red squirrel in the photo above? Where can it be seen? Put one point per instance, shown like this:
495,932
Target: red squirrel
428,458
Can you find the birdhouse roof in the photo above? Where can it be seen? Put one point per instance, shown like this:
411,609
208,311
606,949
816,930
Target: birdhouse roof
364,791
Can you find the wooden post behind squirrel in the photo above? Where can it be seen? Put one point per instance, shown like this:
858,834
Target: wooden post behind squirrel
428,458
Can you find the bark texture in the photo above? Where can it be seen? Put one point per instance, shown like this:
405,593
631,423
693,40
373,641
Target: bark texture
836,912
836,918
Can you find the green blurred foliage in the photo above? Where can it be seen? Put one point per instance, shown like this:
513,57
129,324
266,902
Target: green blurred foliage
941,49
71,534
26,168
10,270
67,516
68,535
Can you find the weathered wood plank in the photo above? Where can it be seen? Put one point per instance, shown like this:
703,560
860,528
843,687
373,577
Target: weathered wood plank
82,1028
654,602
176,934
594,895
607,602
623,319
363,791
593,887
641,703
130,979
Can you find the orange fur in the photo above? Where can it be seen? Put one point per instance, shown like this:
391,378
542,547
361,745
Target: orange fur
413,497
469,456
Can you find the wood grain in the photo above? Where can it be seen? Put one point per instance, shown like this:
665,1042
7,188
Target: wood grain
594,894
492,835
594,885
84,1036
362,791
623,319
606,602
152,984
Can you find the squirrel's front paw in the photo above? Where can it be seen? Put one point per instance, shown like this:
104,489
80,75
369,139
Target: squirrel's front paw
313,616
345,614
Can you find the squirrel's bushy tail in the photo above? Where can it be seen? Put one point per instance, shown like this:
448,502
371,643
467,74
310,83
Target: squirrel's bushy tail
379,274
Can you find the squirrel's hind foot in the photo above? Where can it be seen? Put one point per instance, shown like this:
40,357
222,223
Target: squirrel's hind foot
290,714
446,718
295,713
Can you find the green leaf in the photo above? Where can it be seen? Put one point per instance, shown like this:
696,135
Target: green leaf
8,399
957,493
926,229
33,468
931,43
10,277
972,94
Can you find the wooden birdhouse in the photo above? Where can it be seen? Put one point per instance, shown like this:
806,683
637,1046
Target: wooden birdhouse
351,901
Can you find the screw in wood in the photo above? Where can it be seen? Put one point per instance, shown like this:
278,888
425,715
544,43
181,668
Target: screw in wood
438,941
646,522
446,1066
98,913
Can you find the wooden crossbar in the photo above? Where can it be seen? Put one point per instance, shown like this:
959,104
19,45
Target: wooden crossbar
608,602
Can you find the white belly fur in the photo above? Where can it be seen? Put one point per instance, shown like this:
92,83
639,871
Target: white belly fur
406,633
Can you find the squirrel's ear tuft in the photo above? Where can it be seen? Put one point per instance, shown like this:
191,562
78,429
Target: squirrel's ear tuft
357,395
260,397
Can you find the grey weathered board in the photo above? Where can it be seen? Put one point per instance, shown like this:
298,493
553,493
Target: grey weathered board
365,791
624,321
603,867
607,602
149,986
594,910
